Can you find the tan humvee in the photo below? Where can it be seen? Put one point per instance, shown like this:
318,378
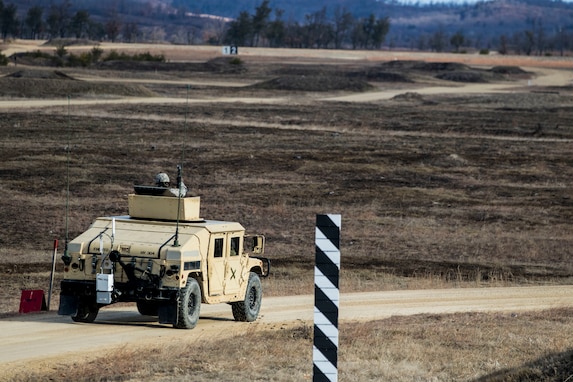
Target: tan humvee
166,259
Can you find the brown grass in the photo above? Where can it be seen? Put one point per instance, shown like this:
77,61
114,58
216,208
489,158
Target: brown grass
465,346
435,191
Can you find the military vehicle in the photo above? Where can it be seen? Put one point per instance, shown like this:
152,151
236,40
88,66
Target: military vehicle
166,259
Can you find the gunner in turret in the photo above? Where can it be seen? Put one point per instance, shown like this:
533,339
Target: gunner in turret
162,181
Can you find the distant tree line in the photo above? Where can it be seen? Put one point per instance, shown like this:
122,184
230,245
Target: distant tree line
57,21
531,41
266,27
317,31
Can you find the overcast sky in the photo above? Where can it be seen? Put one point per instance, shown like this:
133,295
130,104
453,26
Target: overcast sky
439,1
452,1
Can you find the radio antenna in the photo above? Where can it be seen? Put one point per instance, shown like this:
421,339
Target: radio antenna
180,172
185,126
66,257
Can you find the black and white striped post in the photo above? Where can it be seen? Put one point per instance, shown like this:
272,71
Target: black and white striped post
326,298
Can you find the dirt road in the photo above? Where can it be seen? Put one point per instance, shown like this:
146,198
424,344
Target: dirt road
11,105
49,336
545,77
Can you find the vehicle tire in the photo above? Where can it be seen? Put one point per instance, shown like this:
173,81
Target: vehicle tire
148,308
189,305
87,312
248,310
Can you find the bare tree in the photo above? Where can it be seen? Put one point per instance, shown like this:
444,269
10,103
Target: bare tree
80,23
34,21
438,40
319,32
503,44
540,39
1,12
343,21
131,32
528,42
9,23
259,21
379,32
113,27
457,40
240,30
276,30
58,19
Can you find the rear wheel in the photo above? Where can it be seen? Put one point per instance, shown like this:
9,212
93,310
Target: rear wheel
87,312
248,309
189,305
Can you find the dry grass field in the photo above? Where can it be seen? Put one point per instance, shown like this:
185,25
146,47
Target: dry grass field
436,189
456,347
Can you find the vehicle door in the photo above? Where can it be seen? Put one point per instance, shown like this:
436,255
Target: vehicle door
234,263
216,263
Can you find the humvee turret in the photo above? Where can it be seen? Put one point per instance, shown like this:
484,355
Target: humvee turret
166,259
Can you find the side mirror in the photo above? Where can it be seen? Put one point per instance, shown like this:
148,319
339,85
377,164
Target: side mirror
258,244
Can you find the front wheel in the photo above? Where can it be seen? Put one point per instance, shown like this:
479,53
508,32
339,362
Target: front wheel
189,305
248,309
87,312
